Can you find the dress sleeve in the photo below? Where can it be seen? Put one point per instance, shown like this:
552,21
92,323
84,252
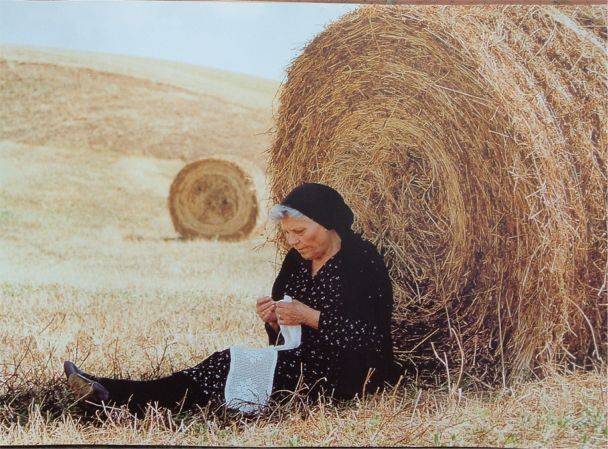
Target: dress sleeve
363,325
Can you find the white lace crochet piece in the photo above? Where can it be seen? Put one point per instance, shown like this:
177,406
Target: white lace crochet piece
251,373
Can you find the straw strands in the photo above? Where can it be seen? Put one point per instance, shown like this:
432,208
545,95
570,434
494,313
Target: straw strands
217,197
470,143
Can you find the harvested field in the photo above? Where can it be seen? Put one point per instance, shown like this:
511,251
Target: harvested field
75,100
92,270
98,276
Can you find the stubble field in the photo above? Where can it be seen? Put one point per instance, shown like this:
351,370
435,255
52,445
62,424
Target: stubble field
91,270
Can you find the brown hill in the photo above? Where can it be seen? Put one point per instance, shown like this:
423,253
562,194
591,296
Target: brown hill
137,106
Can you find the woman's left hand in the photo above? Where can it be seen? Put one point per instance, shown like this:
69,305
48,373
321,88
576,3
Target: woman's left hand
295,312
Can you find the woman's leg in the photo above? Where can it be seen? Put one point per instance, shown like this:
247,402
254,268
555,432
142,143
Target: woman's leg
185,389
175,391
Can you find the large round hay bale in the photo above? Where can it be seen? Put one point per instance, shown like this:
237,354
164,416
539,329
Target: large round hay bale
218,197
469,142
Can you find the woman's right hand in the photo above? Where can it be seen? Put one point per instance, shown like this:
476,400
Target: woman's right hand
265,308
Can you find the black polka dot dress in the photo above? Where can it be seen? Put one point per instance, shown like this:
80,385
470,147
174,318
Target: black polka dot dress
210,376
314,363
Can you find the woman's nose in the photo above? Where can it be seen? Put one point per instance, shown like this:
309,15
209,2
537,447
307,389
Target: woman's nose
292,240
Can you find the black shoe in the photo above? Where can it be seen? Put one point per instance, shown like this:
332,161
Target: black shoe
82,386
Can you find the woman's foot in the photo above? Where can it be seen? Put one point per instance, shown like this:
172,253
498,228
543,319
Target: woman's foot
82,386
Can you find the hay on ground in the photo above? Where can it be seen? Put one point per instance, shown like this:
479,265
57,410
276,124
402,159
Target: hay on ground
217,198
470,143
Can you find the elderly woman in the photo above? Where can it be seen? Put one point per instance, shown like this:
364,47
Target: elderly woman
341,310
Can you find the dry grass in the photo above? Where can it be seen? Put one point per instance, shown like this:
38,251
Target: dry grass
48,323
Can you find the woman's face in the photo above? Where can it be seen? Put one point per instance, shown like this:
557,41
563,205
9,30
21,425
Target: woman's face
307,236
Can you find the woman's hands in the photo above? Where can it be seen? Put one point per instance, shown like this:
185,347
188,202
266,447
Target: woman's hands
295,312
287,313
265,308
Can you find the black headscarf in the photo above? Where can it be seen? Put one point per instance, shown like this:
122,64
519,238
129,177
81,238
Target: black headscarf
326,206
322,204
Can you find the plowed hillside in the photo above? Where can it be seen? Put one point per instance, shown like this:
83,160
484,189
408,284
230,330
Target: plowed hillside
135,106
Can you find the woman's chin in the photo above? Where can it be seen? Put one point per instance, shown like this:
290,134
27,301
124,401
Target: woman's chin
305,254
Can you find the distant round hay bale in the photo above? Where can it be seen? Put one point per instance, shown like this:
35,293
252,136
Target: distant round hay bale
469,142
217,198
